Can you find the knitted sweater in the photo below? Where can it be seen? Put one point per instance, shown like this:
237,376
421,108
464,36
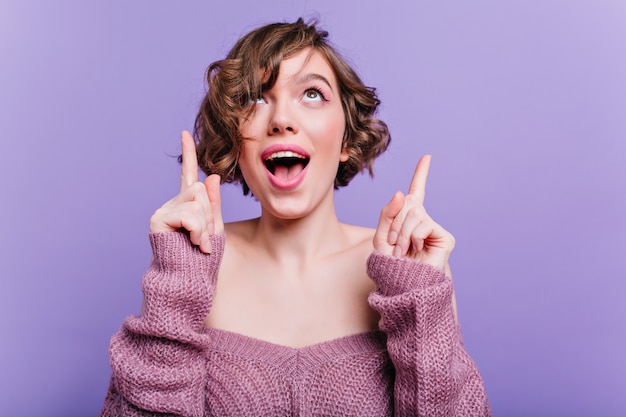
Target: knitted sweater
166,362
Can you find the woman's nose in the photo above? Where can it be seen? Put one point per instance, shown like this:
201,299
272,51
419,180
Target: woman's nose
282,119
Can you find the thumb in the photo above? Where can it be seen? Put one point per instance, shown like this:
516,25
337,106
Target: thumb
387,215
212,184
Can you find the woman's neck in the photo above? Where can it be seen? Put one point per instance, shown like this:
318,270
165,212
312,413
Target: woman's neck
300,240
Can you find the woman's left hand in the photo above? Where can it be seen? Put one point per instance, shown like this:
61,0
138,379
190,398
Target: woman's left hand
406,230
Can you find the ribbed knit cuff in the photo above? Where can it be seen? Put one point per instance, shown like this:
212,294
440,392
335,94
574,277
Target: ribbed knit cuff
178,286
396,276
173,250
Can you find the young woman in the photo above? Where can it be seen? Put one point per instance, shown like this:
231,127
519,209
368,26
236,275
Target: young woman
293,313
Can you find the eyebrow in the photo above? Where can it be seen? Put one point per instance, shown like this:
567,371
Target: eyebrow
314,77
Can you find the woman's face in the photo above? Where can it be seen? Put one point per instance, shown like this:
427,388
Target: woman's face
296,132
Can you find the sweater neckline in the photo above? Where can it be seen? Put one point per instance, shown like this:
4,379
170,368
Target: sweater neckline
249,347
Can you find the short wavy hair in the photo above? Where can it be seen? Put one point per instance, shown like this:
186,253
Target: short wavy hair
251,68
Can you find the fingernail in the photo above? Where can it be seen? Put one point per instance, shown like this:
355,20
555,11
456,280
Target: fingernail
393,237
397,252
206,245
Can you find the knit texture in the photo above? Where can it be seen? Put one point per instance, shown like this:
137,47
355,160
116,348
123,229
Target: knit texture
165,362
434,374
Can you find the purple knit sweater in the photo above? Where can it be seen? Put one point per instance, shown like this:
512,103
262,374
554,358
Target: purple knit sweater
165,362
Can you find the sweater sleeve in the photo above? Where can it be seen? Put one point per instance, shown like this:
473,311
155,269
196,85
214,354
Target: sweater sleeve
434,374
158,358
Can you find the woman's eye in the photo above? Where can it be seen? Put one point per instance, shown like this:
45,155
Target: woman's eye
252,101
313,95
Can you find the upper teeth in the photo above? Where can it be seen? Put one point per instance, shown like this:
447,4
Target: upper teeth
285,154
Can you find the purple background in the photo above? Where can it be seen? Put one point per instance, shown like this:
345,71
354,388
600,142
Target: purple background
522,103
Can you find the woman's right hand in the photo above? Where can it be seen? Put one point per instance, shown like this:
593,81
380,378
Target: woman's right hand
197,208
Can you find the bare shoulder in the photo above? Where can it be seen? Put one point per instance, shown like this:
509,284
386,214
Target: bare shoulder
238,246
240,231
360,238
241,226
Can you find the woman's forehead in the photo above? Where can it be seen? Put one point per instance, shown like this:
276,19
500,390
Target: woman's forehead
307,65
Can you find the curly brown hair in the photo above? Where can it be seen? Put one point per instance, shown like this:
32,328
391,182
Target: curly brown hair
250,69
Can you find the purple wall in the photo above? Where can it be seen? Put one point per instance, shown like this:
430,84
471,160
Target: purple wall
522,103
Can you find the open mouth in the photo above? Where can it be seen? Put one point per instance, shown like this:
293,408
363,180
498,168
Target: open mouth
286,164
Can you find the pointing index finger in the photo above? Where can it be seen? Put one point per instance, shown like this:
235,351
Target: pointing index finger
418,183
189,169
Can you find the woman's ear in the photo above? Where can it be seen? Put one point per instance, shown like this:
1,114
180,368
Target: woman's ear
345,152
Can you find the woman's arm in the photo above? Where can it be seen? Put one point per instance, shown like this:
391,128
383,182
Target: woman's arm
158,358
434,374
